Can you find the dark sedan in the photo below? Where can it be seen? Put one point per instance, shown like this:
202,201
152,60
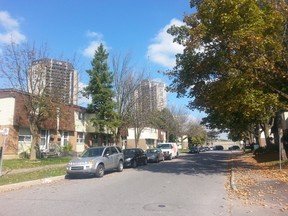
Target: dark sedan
235,147
155,155
134,157
194,150
218,147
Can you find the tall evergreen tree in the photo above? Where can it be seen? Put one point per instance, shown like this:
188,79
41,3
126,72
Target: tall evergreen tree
100,89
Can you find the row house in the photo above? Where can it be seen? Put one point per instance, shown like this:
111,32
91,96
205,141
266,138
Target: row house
149,138
72,127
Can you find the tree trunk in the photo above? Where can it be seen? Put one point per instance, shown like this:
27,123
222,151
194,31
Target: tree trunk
281,126
258,137
34,144
167,136
266,127
118,139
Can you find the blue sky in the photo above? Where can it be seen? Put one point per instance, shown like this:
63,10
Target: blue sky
71,27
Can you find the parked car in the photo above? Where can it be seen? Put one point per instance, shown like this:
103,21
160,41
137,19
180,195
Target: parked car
134,157
96,160
155,155
202,149
218,147
194,150
235,147
170,150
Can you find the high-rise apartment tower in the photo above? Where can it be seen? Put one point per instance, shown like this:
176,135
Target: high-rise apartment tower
56,78
152,94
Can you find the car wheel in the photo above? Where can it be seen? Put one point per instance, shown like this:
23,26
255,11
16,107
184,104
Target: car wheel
100,171
69,176
134,164
120,166
170,157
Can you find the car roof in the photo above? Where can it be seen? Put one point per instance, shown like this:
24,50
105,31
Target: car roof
98,147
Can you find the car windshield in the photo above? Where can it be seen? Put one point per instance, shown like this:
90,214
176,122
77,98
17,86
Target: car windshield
164,146
129,151
151,150
93,152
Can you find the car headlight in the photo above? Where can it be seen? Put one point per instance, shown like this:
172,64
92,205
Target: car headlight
90,163
128,159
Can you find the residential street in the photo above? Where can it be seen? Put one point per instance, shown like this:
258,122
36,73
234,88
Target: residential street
190,185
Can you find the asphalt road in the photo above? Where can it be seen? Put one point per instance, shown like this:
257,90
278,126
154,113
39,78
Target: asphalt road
188,185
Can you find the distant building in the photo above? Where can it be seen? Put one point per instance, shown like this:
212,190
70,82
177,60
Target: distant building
57,78
152,94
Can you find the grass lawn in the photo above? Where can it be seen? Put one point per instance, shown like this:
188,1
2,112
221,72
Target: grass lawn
14,164
29,176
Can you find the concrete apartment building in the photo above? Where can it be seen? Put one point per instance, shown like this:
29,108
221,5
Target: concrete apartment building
153,95
57,78
150,96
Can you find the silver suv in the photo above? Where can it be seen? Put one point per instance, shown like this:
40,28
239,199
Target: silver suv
96,161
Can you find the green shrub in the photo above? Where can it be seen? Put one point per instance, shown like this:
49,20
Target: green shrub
67,147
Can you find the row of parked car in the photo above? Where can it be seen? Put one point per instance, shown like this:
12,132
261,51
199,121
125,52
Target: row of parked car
197,150
96,160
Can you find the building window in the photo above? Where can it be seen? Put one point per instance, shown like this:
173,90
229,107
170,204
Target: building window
25,138
150,141
65,138
24,135
81,116
43,137
80,137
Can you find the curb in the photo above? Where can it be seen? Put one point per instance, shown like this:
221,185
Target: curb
232,177
21,185
232,181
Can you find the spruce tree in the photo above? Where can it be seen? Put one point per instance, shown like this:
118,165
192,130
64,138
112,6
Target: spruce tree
100,90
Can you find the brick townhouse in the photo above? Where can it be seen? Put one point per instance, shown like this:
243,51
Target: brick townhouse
73,127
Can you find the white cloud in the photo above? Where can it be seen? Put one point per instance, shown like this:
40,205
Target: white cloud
89,51
162,51
94,34
11,29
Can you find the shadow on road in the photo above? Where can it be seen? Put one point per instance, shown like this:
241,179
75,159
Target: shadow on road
208,163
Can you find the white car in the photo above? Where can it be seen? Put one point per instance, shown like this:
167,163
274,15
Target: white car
170,150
